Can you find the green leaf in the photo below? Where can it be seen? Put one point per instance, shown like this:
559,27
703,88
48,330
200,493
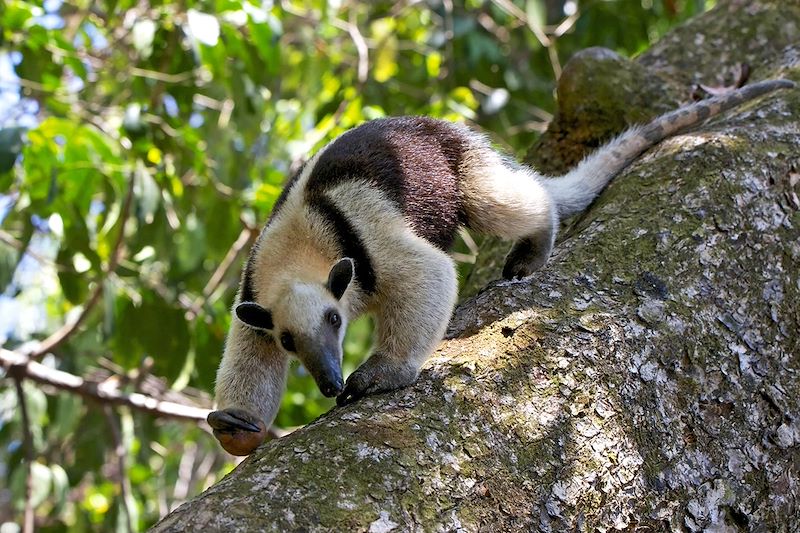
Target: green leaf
209,342
16,16
69,410
42,478
153,328
60,486
8,264
10,148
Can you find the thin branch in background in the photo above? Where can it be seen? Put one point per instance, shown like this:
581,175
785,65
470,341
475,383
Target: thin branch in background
565,25
105,392
202,472
449,35
500,33
549,42
65,331
470,243
185,469
162,76
478,86
28,520
528,125
122,473
22,83
23,366
225,113
20,247
161,498
246,237
514,11
552,54
362,48
157,120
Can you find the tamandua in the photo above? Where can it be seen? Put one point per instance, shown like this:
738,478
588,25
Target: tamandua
364,227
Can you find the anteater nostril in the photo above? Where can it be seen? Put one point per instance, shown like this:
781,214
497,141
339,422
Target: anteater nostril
332,389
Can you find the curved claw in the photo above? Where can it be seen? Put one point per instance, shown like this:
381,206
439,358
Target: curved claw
510,273
238,431
378,374
359,384
231,420
351,393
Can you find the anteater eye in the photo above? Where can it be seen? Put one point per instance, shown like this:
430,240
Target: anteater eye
333,318
287,341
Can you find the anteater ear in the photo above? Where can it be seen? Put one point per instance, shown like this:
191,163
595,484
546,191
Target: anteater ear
254,315
340,276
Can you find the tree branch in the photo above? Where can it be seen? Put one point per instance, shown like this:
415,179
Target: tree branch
23,366
120,453
246,237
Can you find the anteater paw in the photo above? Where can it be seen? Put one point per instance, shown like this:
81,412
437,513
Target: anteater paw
378,374
238,431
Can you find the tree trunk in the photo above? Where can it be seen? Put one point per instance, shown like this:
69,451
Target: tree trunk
648,377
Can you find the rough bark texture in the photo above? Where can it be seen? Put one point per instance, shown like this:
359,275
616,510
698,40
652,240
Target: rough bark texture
647,378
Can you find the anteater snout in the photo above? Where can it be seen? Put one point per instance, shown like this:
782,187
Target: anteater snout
333,387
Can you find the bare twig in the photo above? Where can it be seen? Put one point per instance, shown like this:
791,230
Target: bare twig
20,246
185,469
548,42
161,498
24,366
119,451
449,35
28,520
162,76
552,54
566,24
105,392
65,331
361,47
500,32
514,11
477,85
528,125
201,472
246,237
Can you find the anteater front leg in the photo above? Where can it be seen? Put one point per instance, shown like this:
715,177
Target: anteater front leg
249,387
413,307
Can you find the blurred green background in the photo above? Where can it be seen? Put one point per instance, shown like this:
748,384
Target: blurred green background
141,147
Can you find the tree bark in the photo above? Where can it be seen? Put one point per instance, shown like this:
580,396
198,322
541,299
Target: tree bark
647,378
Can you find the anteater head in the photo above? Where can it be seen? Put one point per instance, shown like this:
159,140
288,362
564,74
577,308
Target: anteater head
308,321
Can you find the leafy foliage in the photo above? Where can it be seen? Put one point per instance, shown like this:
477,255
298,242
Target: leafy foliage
142,144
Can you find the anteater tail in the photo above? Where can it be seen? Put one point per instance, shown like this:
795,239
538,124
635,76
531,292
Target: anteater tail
574,191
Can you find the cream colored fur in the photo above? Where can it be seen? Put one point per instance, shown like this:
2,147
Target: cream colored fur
417,288
503,200
252,374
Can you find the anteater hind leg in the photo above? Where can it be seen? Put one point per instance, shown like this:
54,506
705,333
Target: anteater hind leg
528,255
508,201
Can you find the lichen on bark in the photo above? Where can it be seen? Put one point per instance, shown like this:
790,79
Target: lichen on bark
647,377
